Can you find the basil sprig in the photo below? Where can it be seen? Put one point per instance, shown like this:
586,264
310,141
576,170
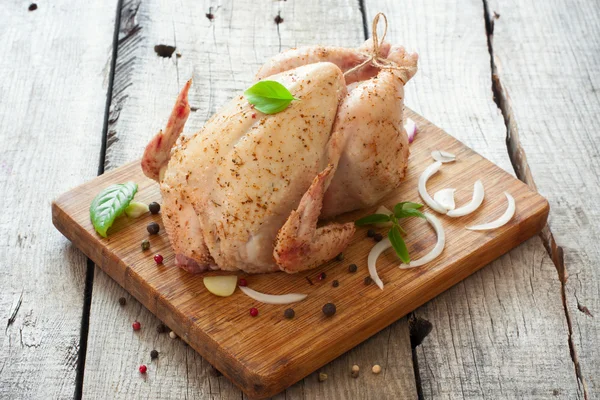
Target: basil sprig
109,204
404,209
269,97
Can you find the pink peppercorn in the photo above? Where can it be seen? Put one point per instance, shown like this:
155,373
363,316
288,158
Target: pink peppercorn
253,311
243,282
143,369
158,259
136,326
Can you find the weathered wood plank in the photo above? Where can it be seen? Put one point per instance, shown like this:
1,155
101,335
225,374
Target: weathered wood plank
52,106
547,55
222,54
500,333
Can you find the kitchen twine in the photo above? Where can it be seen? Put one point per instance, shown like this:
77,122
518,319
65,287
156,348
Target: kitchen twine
373,57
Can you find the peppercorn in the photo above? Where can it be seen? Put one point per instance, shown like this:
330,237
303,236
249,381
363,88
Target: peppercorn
172,335
243,282
289,313
335,283
340,257
376,369
254,311
154,207
322,377
122,301
329,309
32,7
145,244
153,228
158,259
355,371
162,328
153,354
143,369
352,268
322,276
371,233
368,280
136,326
378,237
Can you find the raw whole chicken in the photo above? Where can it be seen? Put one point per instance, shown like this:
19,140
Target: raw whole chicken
247,190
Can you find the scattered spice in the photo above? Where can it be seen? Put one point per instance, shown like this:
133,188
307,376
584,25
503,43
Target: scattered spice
242,282
378,237
136,326
321,276
253,115
322,377
162,328
368,280
145,244
32,7
153,355
335,283
376,369
329,309
289,313
352,268
172,335
355,371
278,20
122,301
254,311
158,259
339,257
154,207
143,369
371,233
153,228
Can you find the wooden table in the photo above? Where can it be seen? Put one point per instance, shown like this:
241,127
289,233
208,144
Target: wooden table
82,89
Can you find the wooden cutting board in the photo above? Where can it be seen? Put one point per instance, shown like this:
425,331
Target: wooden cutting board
266,354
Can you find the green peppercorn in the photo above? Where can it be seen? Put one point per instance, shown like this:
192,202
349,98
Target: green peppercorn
153,354
335,283
378,237
352,268
153,228
289,313
145,244
154,207
329,309
340,257
371,233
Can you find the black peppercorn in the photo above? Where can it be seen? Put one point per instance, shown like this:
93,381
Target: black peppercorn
153,228
122,301
153,354
154,207
340,257
145,244
322,276
329,309
378,237
289,313
368,280
371,233
335,283
352,268
162,328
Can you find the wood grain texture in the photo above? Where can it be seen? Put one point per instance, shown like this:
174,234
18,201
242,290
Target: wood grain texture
222,55
547,56
489,328
222,331
52,103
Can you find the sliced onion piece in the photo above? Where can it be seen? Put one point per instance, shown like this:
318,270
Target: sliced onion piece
372,260
508,214
437,249
411,129
478,195
445,198
429,171
272,298
386,211
443,156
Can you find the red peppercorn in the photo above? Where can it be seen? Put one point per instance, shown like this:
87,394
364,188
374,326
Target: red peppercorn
253,115
321,276
243,282
158,258
254,311
136,326
143,369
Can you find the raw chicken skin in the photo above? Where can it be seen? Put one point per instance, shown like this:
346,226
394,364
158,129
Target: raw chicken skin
246,191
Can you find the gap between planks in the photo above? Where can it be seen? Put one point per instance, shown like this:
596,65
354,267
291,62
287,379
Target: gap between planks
518,159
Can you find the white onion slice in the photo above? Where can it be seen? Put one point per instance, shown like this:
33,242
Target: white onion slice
429,171
386,211
443,156
437,249
372,260
272,298
478,195
411,129
508,214
445,198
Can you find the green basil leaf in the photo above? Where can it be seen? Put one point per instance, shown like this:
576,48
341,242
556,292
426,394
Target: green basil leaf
409,204
109,204
408,212
269,97
398,244
372,219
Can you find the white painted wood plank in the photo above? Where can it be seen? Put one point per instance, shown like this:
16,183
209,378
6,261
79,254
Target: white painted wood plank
53,85
500,333
222,55
548,59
